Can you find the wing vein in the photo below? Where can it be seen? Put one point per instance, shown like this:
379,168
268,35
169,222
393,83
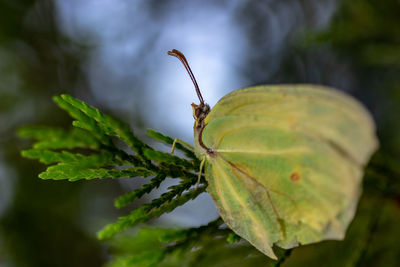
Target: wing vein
299,150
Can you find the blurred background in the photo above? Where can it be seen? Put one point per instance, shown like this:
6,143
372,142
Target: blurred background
112,54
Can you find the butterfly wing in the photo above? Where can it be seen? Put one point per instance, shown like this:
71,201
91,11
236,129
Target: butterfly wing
289,162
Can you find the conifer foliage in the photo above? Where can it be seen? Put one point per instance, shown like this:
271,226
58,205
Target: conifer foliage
93,133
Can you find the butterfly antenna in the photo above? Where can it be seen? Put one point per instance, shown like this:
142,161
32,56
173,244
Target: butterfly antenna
182,58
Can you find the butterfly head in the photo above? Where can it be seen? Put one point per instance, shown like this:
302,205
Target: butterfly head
200,112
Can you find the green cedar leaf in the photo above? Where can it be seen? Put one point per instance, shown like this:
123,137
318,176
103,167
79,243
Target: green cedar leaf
108,124
47,156
138,193
146,213
74,171
57,138
168,140
86,122
41,132
141,249
161,157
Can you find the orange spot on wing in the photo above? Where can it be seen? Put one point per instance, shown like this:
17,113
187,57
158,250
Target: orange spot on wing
295,177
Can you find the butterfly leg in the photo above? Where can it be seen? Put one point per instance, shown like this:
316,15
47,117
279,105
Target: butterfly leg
200,171
176,140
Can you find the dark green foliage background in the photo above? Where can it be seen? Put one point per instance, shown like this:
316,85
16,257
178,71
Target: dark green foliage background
43,224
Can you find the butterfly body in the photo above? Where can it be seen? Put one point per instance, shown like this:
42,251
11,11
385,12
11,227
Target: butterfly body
284,163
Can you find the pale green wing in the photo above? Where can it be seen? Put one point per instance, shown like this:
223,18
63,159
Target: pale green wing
289,163
322,112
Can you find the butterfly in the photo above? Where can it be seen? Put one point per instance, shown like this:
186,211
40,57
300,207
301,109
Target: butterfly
284,163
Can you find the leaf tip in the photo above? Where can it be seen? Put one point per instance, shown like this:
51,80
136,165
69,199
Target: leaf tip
44,176
56,98
117,203
105,233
